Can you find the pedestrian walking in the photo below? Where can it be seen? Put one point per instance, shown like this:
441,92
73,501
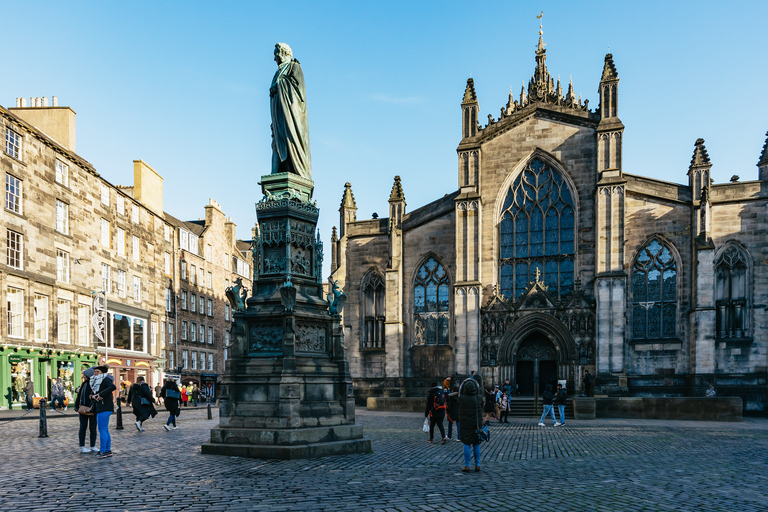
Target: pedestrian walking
452,412
102,384
436,405
470,419
508,388
84,406
171,396
184,395
140,398
158,390
547,401
195,394
559,400
29,393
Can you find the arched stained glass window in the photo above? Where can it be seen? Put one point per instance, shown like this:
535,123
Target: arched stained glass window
654,293
537,232
731,268
373,310
431,304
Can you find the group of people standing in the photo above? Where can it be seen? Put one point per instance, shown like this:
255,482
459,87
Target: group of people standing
463,406
95,404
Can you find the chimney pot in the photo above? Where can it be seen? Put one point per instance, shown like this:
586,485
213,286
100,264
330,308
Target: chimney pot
45,101
55,101
23,102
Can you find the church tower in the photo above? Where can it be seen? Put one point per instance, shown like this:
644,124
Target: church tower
611,278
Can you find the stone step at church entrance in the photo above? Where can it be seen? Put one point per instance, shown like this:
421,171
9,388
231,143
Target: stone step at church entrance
524,407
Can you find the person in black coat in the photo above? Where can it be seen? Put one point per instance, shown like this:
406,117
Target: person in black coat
453,413
87,421
470,420
102,387
140,398
436,404
171,402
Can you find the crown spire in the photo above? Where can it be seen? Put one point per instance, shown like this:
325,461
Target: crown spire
609,68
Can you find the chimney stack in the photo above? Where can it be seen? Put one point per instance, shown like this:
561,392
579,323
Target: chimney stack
56,122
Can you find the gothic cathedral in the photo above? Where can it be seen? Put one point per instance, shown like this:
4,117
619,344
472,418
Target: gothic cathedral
550,260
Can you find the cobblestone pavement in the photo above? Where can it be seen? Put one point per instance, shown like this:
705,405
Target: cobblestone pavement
602,465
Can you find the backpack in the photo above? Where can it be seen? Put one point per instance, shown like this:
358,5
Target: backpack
439,401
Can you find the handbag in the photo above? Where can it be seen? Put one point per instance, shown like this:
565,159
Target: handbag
425,428
169,393
144,401
85,410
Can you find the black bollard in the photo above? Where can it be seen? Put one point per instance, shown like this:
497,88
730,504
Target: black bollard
43,420
119,425
209,410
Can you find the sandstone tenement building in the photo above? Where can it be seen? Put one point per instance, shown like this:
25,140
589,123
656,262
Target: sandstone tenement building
550,259
68,233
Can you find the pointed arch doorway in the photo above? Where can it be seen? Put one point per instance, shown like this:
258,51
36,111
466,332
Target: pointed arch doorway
536,362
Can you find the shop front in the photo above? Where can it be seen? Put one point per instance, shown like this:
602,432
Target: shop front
42,366
126,368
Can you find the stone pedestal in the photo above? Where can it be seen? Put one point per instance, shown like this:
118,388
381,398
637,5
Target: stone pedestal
286,391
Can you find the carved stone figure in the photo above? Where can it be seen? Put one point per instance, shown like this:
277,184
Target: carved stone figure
337,298
237,295
290,129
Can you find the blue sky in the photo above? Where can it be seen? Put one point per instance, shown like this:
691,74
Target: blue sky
184,86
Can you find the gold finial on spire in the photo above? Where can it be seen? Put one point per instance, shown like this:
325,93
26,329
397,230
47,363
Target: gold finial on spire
537,273
541,32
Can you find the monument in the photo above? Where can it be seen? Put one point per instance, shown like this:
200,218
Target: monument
287,391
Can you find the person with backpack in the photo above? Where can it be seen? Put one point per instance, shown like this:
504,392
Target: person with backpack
436,405
453,413
470,421
559,400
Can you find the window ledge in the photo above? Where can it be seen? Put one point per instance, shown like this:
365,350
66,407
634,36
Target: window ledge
662,345
724,342
416,347
373,350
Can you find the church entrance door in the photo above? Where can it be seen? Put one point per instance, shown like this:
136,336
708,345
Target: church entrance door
536,363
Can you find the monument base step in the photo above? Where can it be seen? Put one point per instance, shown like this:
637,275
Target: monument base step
289,452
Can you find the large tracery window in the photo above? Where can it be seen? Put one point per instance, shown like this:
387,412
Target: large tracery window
654,293
537,232
373,310
731,268
431,304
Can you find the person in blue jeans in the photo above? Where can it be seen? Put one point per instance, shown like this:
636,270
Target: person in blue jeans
561,397
470,420
171,401
548,408
102,386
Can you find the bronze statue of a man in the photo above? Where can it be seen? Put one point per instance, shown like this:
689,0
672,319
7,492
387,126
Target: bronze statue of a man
290,129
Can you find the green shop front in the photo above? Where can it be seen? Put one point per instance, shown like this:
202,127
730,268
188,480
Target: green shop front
42,365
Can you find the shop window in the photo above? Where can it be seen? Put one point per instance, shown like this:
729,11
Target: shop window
431,291
654,292
732,292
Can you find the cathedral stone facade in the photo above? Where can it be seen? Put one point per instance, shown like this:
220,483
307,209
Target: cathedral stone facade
550,260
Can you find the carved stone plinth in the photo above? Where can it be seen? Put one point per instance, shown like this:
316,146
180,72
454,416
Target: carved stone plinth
287,392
